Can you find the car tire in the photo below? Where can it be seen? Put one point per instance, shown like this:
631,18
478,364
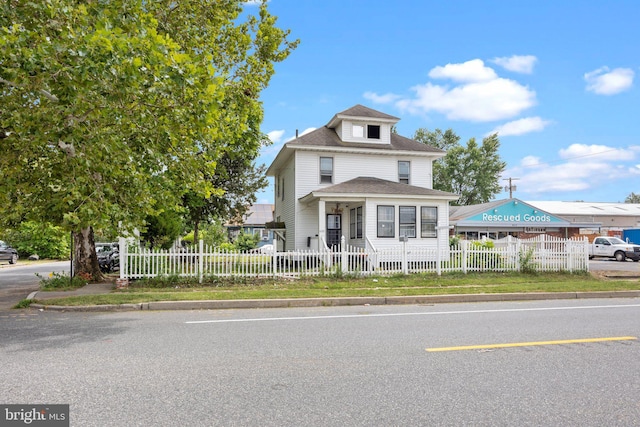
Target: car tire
14,259
620,256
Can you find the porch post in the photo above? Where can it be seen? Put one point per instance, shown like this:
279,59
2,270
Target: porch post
322,223
344,255
322,230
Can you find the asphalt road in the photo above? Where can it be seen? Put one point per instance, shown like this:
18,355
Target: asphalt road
18,281
604,264
331,366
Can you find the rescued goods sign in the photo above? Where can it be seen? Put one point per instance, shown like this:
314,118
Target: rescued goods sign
516,218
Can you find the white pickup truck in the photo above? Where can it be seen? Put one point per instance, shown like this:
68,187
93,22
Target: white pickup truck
613,247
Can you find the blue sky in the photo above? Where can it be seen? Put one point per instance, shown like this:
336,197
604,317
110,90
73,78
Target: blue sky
556,79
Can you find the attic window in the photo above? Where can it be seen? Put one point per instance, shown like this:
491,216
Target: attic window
358,131
373,131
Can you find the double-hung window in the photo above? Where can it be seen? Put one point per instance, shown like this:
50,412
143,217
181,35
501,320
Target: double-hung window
355,223
404,170
408,221
428,221
386,221
326,170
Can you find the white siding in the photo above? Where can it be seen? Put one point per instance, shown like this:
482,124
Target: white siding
308,172
348,166
339,130
285,209
307,226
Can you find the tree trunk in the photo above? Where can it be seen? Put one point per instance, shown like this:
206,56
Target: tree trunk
195,232
85,260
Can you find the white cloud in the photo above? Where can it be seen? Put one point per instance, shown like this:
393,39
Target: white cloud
521,126
517,63
387,98
275,135
596,152
478,94
492,100
585,167
605,82
470,71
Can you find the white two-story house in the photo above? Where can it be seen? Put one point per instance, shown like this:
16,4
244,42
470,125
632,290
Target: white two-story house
355,178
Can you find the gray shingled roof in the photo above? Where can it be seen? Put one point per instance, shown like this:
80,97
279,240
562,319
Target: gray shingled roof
326,137
362,111
369,185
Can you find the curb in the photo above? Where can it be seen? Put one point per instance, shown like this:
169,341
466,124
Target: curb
334,302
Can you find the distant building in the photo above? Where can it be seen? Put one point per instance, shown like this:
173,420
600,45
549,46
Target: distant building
514,217
253,222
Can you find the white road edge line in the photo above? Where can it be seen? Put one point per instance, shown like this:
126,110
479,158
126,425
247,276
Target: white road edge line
435,313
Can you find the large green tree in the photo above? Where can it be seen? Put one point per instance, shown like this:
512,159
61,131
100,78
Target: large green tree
113,108
237,178
472,171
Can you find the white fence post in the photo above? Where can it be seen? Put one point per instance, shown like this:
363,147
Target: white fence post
200,260
344,254
274,261
465,256
123,256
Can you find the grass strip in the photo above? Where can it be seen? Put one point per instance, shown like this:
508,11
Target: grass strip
410,285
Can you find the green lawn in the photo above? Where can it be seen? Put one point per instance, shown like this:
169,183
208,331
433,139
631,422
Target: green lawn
175,289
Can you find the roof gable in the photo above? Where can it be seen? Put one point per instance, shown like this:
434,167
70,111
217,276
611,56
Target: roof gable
360,111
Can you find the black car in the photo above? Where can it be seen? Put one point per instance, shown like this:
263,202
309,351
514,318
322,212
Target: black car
7,253
108,256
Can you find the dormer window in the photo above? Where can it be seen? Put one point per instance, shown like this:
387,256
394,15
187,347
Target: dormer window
373,131
358,131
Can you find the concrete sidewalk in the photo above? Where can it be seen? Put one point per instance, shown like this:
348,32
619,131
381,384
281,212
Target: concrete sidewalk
89,289
105,288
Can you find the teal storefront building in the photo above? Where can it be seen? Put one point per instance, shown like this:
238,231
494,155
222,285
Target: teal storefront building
508,217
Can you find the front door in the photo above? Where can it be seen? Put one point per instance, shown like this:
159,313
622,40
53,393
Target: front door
334,230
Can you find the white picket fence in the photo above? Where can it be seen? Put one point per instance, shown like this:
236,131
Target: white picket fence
543,253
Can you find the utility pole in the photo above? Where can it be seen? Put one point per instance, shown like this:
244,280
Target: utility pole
511,187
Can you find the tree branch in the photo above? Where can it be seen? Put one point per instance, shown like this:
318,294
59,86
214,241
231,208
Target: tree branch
48,95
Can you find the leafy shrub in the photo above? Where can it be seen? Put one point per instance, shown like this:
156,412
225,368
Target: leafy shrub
486,259
61,281
46,240
246,241
527,265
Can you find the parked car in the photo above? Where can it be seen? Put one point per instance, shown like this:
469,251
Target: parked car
264,249
7,253
613,247
108,256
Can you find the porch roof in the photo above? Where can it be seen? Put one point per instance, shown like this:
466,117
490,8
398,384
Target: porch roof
370,186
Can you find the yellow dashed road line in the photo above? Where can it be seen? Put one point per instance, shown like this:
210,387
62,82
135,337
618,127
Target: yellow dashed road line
529,344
